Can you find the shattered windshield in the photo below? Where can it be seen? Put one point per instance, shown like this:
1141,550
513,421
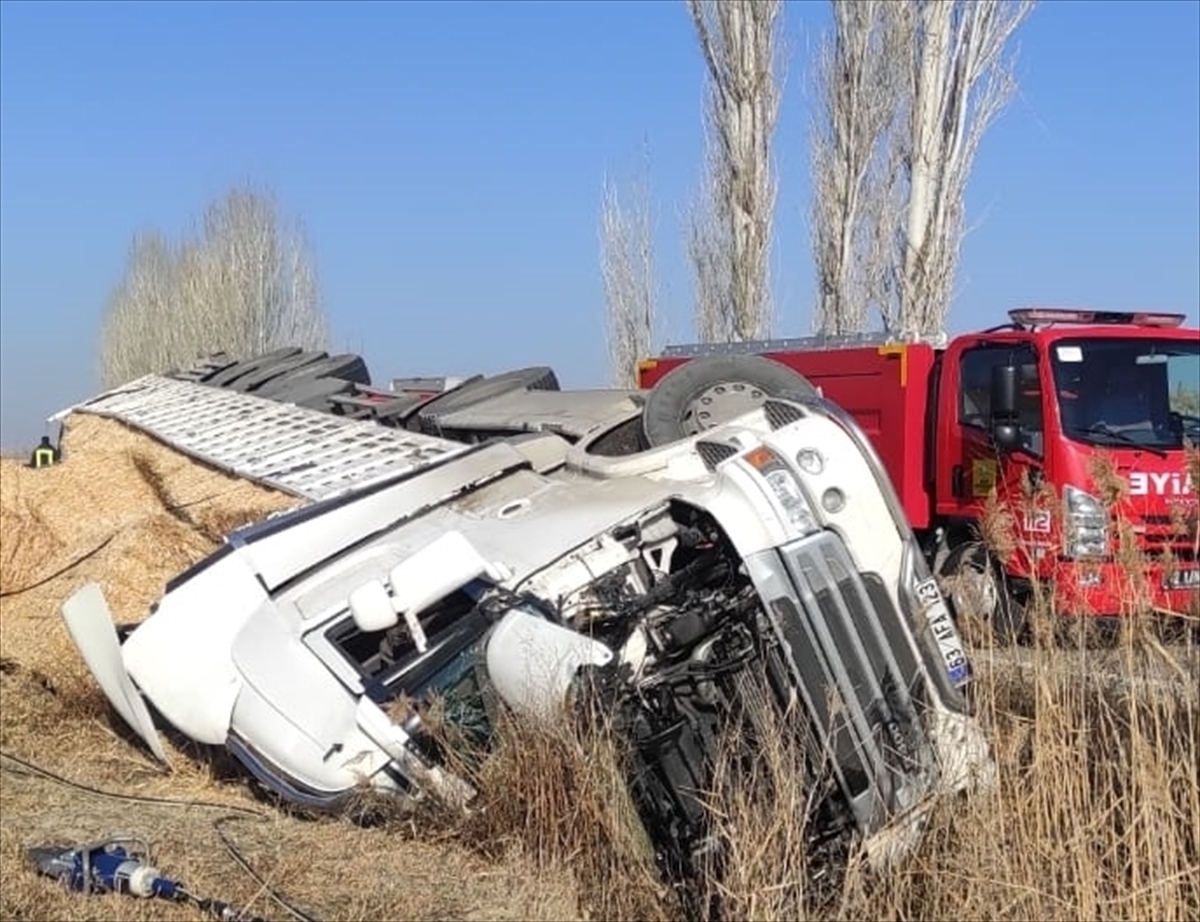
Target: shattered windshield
1143,392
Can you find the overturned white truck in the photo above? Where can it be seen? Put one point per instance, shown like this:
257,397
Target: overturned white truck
528,571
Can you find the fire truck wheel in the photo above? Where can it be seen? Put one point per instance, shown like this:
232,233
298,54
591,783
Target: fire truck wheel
713,389
982,597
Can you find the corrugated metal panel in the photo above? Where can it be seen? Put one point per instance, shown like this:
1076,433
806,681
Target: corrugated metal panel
305,452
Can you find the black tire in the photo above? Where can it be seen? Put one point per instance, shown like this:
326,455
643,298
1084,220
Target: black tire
204,368
982,598
296,363
477,390
345,367
313,393
712,389
247,366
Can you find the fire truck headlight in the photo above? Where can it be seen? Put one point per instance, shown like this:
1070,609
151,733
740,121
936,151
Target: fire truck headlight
1086,525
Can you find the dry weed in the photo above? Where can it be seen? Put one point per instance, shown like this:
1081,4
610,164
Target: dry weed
559,797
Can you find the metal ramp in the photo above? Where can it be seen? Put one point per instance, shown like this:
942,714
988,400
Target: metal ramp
305,452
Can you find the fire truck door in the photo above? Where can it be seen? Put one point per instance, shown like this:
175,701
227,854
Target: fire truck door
970,466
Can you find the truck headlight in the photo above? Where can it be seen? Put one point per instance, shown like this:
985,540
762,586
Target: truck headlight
1086,525
784,487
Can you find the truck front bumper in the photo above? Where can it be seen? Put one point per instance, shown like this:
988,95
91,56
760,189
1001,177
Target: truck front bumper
1113,589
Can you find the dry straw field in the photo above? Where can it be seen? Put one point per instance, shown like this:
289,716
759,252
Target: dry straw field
1096,813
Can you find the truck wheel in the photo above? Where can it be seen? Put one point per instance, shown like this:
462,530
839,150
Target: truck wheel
982,597
713,389
227,376
296,363
347,367
312,393
536,378
204,367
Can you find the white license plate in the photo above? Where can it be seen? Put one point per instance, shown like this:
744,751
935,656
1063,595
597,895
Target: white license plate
1183,579
950,644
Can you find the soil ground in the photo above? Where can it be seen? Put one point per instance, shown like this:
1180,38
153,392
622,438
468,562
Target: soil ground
129,513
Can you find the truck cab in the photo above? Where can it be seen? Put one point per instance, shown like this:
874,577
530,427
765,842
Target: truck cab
1078,423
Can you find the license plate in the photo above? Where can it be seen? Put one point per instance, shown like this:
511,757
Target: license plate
950,645
1183,579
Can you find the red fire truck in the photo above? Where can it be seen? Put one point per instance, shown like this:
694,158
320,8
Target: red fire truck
1076,423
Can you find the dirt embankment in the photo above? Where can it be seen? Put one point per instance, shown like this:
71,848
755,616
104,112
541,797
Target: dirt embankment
129,513
123,510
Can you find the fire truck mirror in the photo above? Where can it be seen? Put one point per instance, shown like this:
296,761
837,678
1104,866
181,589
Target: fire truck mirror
1004,394
1006,436
1005,416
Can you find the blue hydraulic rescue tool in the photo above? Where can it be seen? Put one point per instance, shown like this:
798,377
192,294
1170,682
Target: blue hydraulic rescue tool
121,865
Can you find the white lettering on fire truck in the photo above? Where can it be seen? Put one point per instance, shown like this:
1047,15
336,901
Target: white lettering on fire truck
1166,483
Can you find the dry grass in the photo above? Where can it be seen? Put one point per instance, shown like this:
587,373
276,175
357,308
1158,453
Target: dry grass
558,796
1095,815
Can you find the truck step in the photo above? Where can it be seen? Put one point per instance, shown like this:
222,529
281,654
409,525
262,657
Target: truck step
305,452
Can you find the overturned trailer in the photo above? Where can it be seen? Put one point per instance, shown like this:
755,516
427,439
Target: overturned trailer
533,571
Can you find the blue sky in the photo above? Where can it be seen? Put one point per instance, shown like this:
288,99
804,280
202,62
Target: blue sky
446,160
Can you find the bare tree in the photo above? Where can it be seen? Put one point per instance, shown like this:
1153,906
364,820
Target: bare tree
627,267
860,75
895,151
244,285
960,81
731,230
140,337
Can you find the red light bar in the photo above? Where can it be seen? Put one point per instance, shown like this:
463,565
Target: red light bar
1032,316
1040,316
1158,320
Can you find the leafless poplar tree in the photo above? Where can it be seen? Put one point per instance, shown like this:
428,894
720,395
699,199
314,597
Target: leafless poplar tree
960,81
731,230
860,75
244,285
627,267
894,151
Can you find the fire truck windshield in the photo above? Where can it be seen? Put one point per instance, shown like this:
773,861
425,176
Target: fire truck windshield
1116,392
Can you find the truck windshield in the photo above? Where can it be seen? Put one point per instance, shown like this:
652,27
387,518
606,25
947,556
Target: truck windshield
1116,392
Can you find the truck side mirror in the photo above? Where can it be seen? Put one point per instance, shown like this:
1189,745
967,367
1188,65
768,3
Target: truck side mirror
1005,417
1004,392
1006,436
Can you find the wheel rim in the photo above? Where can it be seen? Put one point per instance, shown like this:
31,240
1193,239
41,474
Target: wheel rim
976,591
720,403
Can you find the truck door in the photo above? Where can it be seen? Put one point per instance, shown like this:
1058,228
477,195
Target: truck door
969,466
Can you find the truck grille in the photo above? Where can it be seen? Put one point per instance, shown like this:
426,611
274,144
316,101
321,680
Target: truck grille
853,660
713,453
781,414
